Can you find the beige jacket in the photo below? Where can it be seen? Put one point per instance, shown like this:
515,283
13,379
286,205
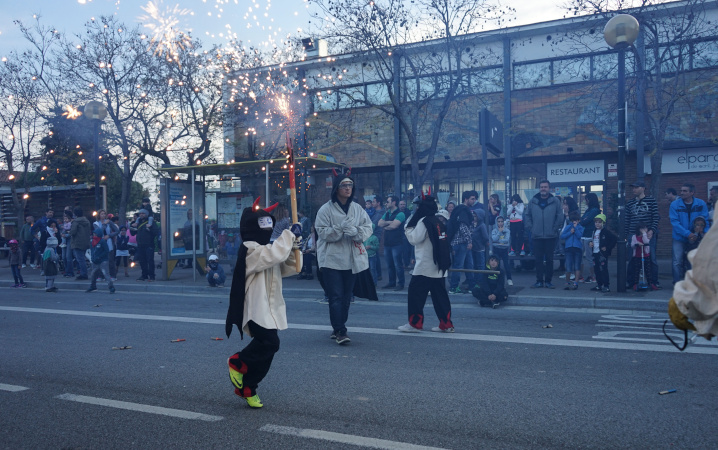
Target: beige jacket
266,265
424,251
697,294
340,237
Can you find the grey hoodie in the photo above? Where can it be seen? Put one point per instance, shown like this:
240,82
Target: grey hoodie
545,220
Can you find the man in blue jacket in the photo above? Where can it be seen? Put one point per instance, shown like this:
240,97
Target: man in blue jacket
683,212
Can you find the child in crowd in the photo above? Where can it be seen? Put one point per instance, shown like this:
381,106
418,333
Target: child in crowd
491,291
122,253
309,254
479,241
49,264
515,213
231,246
699,228
15,257
572,233
602,244
641,255
501,244
372,247
215,272
100,260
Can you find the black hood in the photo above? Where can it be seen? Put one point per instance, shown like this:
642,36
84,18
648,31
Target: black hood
335,186
249,226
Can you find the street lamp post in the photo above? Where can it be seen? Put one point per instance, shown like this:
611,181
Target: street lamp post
96,112
620,33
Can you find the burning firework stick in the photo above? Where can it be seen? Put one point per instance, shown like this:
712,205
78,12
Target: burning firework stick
293,199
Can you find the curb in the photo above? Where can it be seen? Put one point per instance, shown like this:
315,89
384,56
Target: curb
592,302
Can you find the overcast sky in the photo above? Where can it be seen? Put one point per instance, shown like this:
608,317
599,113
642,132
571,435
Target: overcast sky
210,20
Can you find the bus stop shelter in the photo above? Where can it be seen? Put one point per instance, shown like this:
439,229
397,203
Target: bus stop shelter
182,202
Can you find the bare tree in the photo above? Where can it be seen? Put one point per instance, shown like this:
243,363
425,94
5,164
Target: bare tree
418,54
676,37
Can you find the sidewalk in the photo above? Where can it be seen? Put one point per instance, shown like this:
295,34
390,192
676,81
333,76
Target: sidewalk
520,294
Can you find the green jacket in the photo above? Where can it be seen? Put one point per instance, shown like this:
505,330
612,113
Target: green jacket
80,232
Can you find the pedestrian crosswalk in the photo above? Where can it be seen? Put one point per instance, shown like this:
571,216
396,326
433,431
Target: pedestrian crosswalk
640,328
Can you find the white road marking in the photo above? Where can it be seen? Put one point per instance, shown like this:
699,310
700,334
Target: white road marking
666,348
350,439
12,388
139,407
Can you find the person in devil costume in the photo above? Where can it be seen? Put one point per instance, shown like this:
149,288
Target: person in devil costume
256,304
433,259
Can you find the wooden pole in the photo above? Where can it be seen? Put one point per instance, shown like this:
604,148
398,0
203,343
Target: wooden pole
293,198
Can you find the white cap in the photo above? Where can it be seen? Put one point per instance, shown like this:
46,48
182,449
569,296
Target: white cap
213,258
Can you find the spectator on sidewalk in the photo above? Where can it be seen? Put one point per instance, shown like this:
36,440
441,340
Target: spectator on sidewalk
342,226
671,195
593,208
494,209
284,221
111,230
699,229
515,213
450,206
28,246
393,225
713,200
67,256
309,254
644,209
641,255
492,291
459,235
683,212
190,237
372,249
543,217
500,245
480,239
602,245
571,234
215,272
122,254
146,234
100,260
80,235
49,264
14,261
305,222
376,205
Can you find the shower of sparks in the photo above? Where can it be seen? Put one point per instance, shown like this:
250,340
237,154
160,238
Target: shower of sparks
71,112
166,38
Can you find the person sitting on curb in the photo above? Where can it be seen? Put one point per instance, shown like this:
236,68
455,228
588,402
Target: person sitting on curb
492,291
215,272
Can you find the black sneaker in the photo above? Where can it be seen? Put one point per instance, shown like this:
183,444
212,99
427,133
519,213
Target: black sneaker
92,288
548,285
343,339
605,289
538,284
596,288
333,336
112,290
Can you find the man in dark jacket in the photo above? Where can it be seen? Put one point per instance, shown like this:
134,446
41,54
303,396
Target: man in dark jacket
80,234
544,217
642,209
146,233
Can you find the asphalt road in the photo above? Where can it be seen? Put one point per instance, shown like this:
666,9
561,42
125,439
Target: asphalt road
504,380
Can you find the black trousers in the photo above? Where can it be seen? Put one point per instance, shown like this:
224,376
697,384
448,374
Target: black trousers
543,250
256,358
419,288
600,267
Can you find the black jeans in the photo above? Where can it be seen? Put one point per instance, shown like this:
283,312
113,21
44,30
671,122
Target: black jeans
338,285
257,357
146,255
543,251
419,288
600,268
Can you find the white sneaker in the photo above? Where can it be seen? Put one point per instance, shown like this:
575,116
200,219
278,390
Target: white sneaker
510,282
33,266
439,330
23,266
562,276
573,276
407,328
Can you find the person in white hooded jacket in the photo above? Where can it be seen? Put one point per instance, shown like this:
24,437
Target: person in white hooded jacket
342,226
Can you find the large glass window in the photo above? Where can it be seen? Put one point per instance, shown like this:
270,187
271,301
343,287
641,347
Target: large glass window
571,70
377,94
351,97
487,80
705,54
535,75
605,66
